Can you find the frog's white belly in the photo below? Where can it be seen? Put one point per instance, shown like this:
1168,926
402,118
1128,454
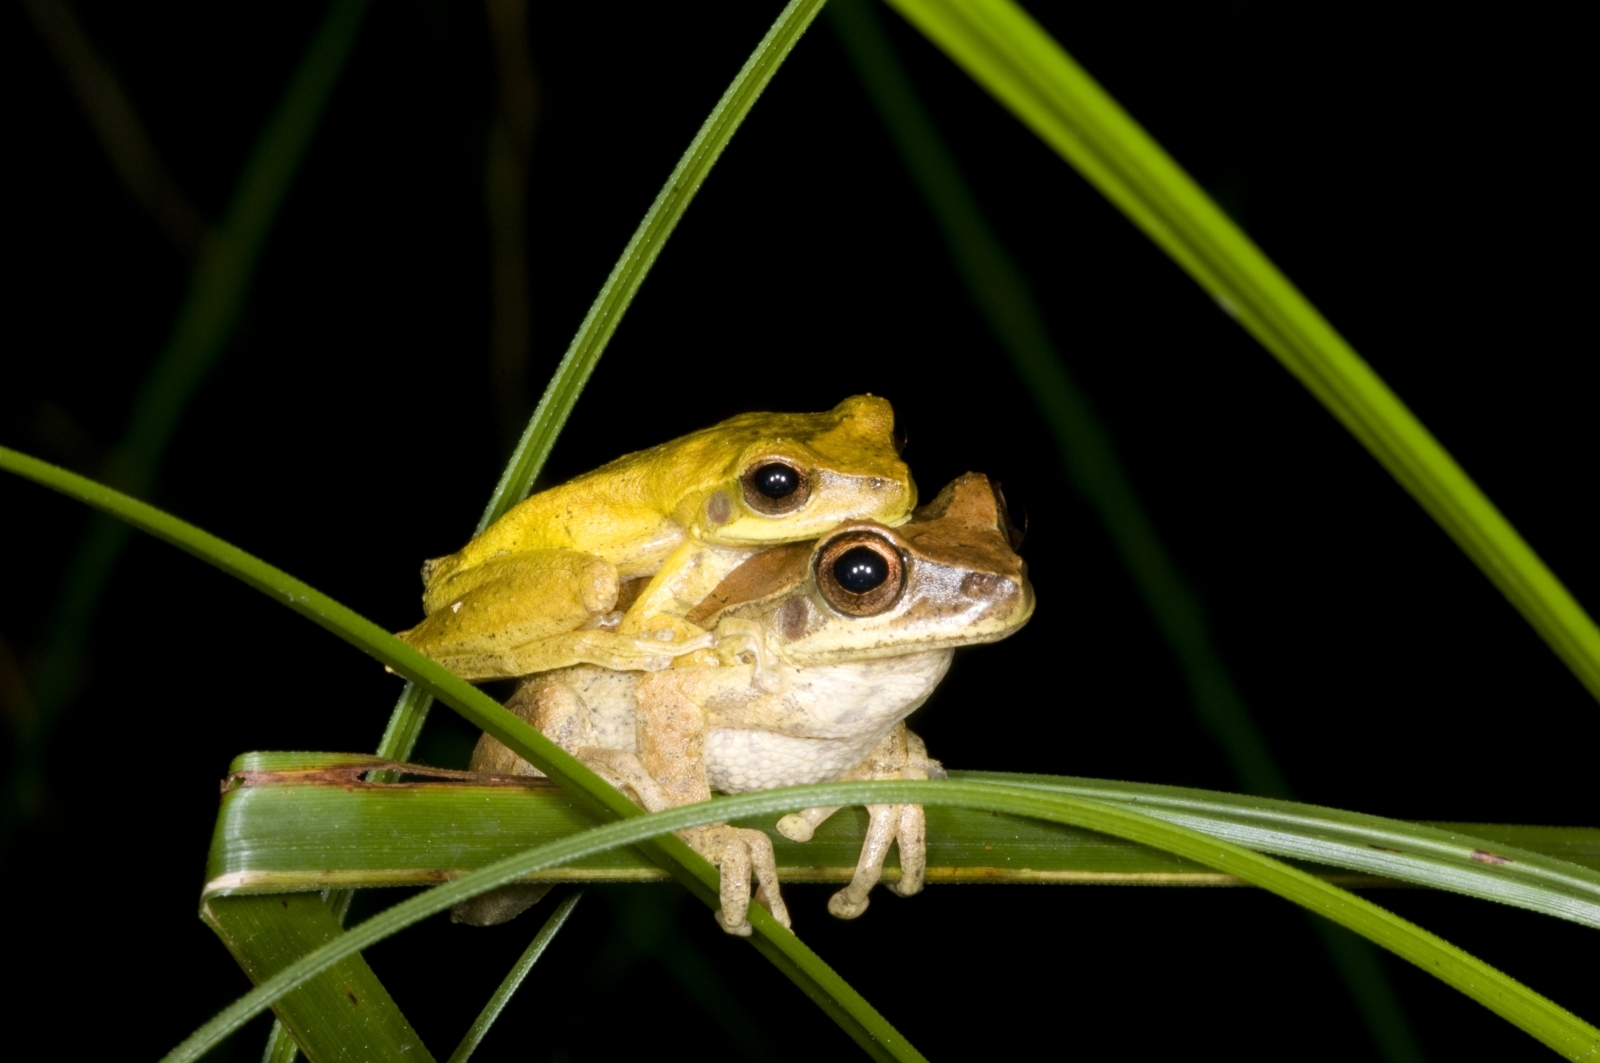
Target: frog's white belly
823,723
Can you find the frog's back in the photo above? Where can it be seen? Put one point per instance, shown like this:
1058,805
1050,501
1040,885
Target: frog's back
639,497
619,510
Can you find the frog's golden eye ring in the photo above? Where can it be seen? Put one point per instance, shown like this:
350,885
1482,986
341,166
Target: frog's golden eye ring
861,573
776,488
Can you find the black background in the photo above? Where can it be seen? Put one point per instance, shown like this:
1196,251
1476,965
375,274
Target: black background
1417,175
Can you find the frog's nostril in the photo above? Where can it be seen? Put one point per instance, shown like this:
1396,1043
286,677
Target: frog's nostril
982,584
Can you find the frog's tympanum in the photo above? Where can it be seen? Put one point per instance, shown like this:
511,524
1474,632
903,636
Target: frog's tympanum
822,650
538,589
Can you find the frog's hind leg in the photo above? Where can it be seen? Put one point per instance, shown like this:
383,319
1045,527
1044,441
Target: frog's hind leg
671,737
479,617
740,854
899,755
560,713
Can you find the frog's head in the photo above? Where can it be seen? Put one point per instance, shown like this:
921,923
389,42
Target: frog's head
951,577
782,478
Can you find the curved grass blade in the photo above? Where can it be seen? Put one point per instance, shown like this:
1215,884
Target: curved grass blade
1537,1015
797,962
583,353
1408,852
628,274
513,979
1011,56
1003,296
271,836
280,1045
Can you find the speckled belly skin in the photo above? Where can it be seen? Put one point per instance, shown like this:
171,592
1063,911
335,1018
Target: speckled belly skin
825,721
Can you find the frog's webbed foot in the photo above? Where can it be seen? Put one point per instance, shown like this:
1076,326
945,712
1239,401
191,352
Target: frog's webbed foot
739,853
902,825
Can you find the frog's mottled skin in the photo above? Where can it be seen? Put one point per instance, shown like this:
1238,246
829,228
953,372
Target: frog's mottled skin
797,690
534,591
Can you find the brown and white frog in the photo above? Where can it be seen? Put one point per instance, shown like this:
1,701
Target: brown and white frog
822,650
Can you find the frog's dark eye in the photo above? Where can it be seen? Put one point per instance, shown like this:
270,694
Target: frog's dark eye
775,480
860,573
860,569
776,488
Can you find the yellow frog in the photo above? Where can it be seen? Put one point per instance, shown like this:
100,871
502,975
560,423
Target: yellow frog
539,588
822,651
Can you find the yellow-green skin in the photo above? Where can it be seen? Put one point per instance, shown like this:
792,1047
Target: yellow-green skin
534,590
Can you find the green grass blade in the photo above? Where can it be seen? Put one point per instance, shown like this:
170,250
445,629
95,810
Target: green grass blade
1501,994
1011,56
1435,856
344,1013
271,836
1540,1017
600,323
583,353
280,1045
640,254
513,979
798,963
1001,293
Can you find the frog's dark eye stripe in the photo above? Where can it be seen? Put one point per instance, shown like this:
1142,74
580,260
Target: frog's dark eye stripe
860,573
776,488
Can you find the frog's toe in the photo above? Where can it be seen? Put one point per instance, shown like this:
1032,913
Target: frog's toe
772,901
800,826
740,854
849,902
911,836
742,930
796,828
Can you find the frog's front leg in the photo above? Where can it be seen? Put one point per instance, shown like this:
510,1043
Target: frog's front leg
671,739
685,578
